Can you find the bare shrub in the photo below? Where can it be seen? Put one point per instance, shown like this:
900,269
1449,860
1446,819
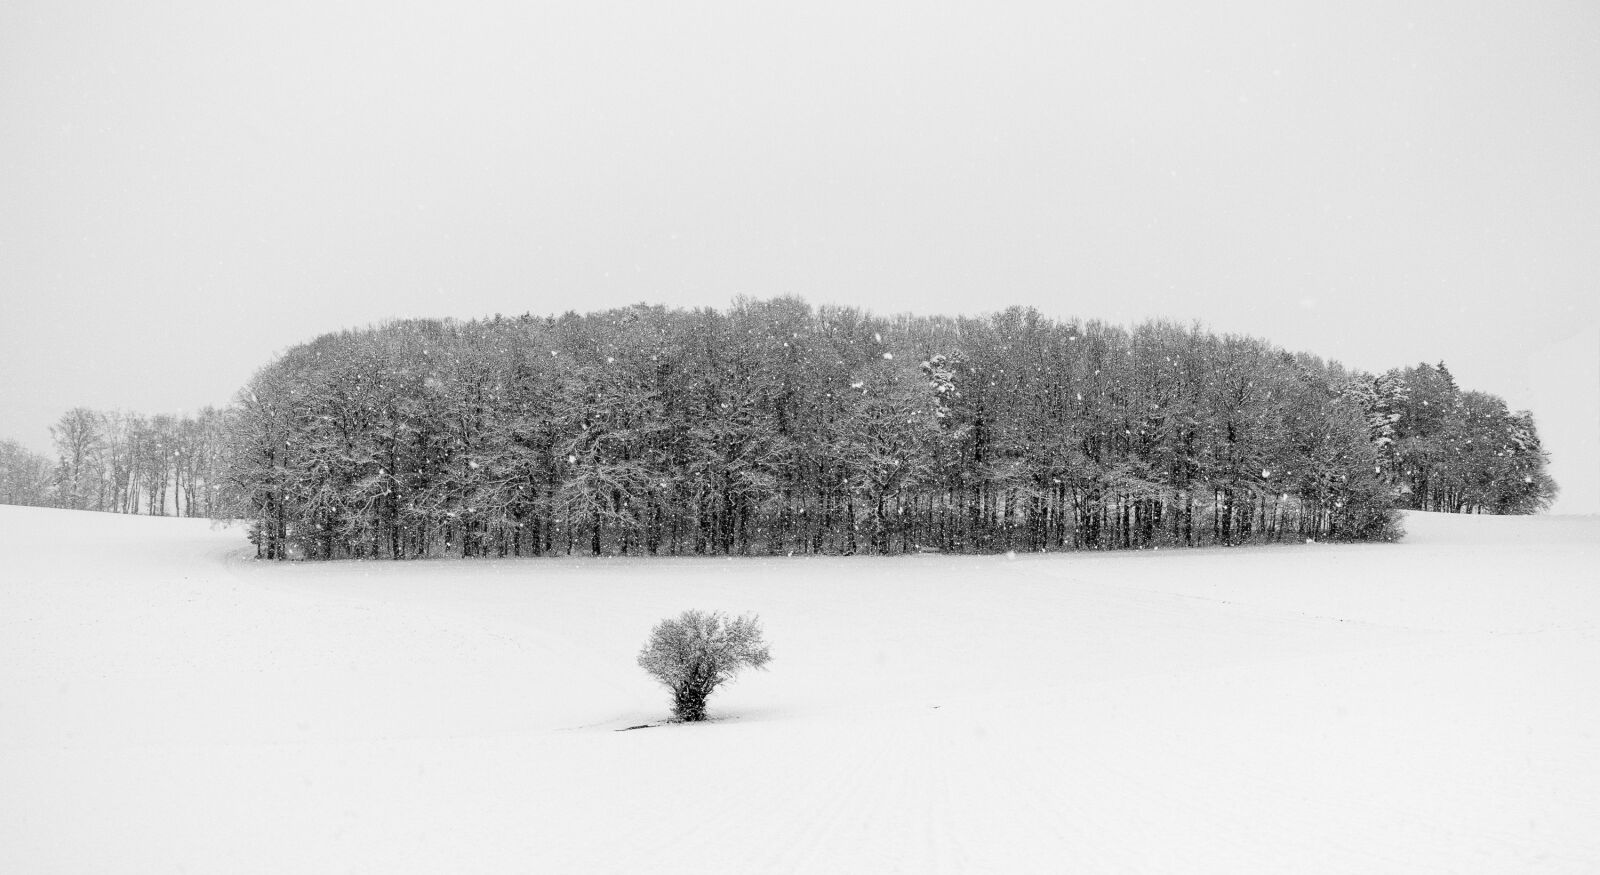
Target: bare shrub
697,652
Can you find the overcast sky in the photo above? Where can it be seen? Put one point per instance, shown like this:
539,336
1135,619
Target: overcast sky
187,188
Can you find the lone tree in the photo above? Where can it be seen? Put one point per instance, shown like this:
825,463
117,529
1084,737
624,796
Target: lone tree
697,652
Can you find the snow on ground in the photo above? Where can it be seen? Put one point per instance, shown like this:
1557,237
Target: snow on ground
168,705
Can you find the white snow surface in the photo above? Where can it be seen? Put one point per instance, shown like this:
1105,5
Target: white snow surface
169,705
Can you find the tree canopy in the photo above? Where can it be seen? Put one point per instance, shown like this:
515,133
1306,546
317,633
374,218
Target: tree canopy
776,427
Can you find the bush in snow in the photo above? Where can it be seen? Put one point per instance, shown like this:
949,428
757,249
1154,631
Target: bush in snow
697,652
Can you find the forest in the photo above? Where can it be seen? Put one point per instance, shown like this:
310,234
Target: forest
776,427
773,427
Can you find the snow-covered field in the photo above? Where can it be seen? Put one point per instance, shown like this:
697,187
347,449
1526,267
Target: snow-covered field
167,705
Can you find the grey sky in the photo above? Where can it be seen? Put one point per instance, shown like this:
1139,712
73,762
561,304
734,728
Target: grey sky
187,188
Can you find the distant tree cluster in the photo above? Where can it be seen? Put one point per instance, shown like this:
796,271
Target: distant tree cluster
1448,450
775,427
26,478
124,463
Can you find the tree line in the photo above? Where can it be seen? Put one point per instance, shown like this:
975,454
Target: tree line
161,465
776,427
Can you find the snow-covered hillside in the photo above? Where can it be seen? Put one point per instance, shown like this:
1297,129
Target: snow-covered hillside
168,705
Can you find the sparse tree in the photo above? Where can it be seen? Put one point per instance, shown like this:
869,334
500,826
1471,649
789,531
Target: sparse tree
78,445
697,652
